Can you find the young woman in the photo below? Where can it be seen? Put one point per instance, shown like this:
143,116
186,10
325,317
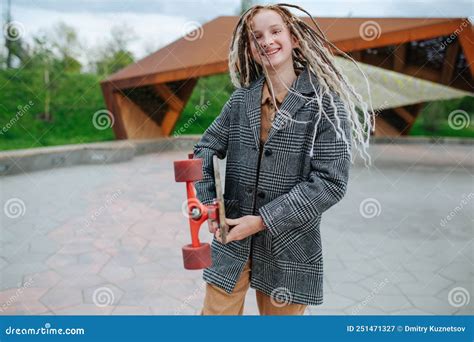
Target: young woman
287,132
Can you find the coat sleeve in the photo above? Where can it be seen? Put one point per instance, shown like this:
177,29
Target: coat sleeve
214,141
327,180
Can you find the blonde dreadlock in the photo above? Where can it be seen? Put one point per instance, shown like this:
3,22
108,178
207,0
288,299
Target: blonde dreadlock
313,53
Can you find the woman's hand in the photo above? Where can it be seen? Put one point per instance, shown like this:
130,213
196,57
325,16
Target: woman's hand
243,226
213,226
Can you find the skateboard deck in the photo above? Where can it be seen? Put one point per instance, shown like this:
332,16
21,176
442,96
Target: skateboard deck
224,228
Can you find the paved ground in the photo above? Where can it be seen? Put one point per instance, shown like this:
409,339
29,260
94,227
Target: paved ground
107,239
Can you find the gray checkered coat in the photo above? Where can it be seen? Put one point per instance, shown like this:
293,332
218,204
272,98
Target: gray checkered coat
290,192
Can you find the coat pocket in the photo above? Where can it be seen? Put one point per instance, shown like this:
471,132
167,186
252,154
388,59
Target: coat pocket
300,244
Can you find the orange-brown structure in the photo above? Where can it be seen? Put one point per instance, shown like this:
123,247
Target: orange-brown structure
147,97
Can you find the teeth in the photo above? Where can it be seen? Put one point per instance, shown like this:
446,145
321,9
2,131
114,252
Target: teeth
272,52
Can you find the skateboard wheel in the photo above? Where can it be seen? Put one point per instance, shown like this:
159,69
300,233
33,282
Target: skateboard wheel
188,170
196,258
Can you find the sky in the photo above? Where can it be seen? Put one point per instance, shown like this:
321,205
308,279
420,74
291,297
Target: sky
157,23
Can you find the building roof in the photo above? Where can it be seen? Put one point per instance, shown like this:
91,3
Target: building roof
209,44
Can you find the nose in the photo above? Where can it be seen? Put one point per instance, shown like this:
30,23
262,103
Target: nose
268,40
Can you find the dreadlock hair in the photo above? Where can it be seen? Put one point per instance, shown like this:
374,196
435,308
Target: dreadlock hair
312,52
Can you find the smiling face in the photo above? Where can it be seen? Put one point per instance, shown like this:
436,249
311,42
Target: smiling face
275,39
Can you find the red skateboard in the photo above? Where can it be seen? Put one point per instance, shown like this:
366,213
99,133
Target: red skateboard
197,255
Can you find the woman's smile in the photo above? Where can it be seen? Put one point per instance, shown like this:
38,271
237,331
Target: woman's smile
271,52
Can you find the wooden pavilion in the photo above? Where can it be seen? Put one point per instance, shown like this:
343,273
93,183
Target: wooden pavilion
146,98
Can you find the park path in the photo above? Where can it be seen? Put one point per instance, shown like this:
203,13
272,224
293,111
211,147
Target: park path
106,239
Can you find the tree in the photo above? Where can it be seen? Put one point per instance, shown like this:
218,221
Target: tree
115,54
14,45
44,61
245,5
65,42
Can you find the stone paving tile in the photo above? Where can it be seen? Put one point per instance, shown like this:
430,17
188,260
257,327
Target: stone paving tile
12,275
120,227
104,295
84,309
116,273
132,310
22,300
45,279
82,280
59,297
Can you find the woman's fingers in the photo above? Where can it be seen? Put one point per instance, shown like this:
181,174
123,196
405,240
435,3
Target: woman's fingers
212,226
232,222
217,235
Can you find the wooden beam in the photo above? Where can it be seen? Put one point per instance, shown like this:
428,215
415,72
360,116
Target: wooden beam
399,57
466,37
173,101
171,76
114,108
384,129
169,121
404,114
171,117
399,37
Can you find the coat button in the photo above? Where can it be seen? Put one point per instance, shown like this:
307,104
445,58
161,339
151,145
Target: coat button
268,152
261,194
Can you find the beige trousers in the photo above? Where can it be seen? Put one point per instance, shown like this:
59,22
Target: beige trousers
219,302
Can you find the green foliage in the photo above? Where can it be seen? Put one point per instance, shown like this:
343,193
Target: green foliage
196,117
76,97
74,101
114,54
113,62
205,104
434,119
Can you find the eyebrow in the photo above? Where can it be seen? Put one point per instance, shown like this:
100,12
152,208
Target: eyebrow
279,25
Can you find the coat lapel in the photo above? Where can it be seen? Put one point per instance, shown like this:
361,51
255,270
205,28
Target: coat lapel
290,105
